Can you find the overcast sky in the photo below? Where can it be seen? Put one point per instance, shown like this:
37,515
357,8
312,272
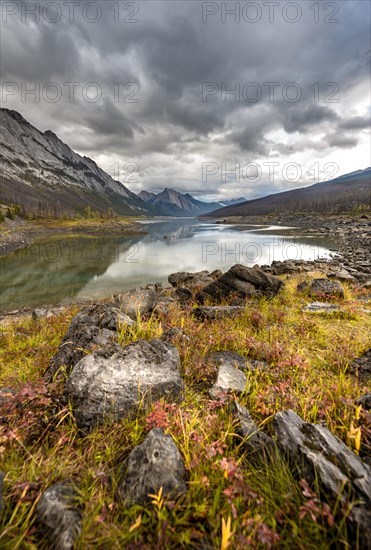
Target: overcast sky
150,81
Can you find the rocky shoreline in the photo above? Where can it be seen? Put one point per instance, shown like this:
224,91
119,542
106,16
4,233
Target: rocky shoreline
352,235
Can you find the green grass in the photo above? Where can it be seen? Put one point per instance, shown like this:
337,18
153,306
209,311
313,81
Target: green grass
307,360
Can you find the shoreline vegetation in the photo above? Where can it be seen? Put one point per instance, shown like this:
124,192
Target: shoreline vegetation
236,469
18,233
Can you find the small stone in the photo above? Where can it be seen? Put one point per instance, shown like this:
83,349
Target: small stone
59,516
229,379
322,307
155,464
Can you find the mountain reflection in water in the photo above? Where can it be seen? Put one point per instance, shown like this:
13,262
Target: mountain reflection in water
76,268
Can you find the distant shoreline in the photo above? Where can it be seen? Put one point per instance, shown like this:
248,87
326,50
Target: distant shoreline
18,233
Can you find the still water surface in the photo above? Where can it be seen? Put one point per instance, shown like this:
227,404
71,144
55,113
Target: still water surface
65,269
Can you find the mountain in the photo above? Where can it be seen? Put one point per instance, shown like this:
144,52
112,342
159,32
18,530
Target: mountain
178,204
232,201
341,194
44,176
146,196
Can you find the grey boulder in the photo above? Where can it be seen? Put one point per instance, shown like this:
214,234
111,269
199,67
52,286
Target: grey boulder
59,517
140,301
317,451
93,327
322,288
153,465
192,280
183,295
109,385
240,281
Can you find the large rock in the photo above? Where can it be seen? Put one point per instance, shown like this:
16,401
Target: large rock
94,327
318,454
217,312
111,384
240,281
284,267
256,441
58,515
193,280
321,452
322,288
183,295
153,465
140,301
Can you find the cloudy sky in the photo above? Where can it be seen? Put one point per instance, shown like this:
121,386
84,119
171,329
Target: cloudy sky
221,99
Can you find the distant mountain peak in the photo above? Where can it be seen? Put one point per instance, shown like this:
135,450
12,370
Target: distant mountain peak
175,203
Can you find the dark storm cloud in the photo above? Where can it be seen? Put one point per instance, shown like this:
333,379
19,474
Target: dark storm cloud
169,55
356,123
107,119
302,119
342,141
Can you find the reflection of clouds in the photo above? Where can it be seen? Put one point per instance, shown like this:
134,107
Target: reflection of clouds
206,247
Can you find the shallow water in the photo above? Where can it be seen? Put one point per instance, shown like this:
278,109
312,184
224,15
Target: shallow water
65,269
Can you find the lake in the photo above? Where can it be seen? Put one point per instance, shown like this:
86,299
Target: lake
64,269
